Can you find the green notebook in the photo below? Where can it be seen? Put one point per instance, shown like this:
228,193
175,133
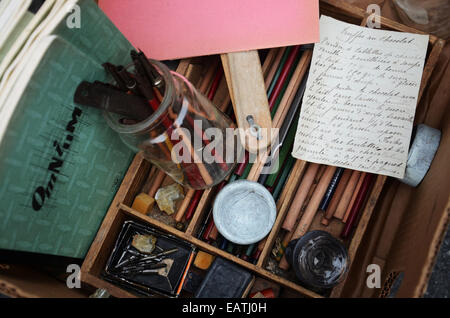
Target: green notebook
60,164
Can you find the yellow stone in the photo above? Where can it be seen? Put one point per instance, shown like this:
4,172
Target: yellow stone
143,203
203,260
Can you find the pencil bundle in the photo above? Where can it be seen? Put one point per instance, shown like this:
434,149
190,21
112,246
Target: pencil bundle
279,67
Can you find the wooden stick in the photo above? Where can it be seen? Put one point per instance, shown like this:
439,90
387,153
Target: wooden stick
284,74
225,101
206,81
198,162
194,202
148,183
354,196
283,263
271,56
311,191
292,88
262,156
268,61
249,97
358,204
347,195
336,197
311,210
274,67
157,183
300,196
215,83
268,78
187,199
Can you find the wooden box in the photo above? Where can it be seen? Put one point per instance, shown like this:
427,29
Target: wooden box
195,69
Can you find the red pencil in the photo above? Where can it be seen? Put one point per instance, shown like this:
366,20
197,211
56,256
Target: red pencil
357,206
193,205
283,76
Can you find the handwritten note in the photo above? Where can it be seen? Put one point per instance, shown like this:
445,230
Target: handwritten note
360,100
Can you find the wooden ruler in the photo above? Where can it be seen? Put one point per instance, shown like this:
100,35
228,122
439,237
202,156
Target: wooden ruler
249,97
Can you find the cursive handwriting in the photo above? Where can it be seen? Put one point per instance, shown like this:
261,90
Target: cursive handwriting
360,100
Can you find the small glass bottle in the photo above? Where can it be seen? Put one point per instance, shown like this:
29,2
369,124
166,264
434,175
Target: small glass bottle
319,260
185,137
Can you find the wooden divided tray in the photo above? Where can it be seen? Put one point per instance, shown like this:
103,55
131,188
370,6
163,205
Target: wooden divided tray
197,70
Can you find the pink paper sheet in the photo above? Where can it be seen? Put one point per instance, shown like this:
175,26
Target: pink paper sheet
170,29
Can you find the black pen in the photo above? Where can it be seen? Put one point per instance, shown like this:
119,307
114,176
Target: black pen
130,81
331,189
152,73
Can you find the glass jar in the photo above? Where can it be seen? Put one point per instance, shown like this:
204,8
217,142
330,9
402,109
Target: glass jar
185,136
319,260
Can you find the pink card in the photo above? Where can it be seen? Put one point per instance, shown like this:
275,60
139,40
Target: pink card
170,29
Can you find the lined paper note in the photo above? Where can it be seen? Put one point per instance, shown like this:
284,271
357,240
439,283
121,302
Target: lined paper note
360,99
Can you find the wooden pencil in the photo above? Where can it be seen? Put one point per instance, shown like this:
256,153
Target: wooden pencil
358,204
148,183
354,196
184,204
206,81
313,205
336,197
347,195
300,196
311,191
274,68
157,183
283,76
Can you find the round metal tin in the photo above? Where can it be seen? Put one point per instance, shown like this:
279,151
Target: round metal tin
244,212
421,154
